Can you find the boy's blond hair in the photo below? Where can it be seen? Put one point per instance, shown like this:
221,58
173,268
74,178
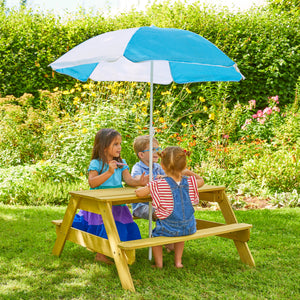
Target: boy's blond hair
141,143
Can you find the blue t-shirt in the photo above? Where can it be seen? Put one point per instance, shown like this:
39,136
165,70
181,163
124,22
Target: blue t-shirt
114,180
138,169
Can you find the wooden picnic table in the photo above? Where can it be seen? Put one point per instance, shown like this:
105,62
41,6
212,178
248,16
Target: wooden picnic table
123,253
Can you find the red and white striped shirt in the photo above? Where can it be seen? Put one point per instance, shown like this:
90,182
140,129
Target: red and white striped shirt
162,199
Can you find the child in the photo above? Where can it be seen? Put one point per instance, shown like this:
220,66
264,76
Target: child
141,149
173,197
106,170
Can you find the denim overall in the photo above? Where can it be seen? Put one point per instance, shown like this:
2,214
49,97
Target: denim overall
182,220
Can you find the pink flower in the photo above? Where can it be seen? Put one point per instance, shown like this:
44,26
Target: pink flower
254,116
267,110
275,108
261,121
225,136
248,121
275,99
244,127
259,113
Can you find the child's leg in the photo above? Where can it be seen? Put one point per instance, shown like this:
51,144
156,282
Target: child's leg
158,256
178,254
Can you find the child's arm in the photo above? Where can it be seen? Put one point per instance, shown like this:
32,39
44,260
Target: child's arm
142,191
200,181
95,179
188,172
141,180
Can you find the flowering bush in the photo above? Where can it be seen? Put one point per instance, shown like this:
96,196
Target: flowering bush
231,145
261,124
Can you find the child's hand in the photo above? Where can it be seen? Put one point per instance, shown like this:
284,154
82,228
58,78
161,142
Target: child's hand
112,165
144,179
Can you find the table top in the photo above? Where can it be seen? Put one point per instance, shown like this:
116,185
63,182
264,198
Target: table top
127,195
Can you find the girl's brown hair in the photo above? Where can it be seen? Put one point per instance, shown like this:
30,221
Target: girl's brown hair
174,159
103,139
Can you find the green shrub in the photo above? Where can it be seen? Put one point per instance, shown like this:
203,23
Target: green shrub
263,42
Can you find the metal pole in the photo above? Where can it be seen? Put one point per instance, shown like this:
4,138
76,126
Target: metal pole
151,134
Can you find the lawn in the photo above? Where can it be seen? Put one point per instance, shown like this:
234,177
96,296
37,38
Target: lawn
212,269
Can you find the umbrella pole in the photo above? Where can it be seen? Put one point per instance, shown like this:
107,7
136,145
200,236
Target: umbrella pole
151,151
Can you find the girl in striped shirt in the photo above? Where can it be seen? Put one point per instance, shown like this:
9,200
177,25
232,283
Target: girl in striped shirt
173,198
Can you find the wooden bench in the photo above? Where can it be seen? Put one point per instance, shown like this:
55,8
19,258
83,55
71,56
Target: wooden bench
123,253
162,240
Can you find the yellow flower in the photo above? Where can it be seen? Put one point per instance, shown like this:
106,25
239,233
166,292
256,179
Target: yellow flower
174,87
138,120
148,95
201,99
188,90
161,120
212,116
72,91
184,124
205,108
144,109
55,89
122,91
139,92
93,94
65,92
169,104
84,130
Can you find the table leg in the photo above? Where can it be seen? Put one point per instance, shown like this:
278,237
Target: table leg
65,226
114,240
230,218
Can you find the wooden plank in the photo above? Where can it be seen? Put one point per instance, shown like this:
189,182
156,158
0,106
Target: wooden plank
162,240
114,239
243,235
210,197
93,242
242,247
90,241
127,195
65,226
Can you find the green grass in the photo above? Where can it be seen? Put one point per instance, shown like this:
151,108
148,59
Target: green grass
212,269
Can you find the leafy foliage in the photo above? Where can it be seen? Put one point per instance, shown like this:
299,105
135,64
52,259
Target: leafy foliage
264,43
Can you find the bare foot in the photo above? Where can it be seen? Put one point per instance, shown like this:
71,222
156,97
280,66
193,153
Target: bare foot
102,258
156,267
178,266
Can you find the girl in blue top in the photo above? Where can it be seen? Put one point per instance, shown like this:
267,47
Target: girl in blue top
106,171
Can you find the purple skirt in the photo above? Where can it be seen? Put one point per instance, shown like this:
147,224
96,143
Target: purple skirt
93,223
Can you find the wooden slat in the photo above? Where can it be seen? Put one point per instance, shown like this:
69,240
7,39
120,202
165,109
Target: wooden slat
162,240
243,235
93,242
127,195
